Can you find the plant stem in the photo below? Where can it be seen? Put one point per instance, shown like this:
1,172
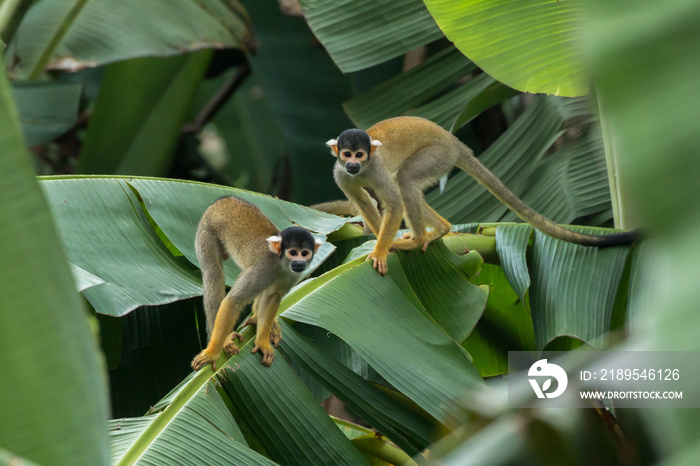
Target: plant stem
11,14
56,39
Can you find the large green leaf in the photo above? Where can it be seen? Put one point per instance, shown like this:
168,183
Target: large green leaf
444,289
511,244
358,34
281,414
573,289
46,110
72,34
100,225
202,431
138,115
106,232
408,429
202,422
506,325
53,401
532,45
372,315
179,217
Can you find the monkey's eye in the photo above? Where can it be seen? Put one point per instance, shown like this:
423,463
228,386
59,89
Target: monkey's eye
304,253
359,155
293,252
347,154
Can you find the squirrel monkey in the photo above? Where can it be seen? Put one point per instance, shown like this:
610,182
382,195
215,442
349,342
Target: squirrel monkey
271,261
399,158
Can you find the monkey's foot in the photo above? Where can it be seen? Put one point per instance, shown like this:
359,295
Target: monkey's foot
379,262
432,236
267,351
229,345
202,359
252,320
275,334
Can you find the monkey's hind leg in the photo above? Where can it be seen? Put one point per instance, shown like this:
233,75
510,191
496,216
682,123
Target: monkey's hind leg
210,255
420,171
438,223
434,220
270,301
275,331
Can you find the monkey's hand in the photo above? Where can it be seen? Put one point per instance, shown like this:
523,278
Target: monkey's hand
266,349
229,345
204,358
378,262
252,320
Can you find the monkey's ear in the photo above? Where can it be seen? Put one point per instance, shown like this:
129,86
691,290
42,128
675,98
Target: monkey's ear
333,144
275,244
317,244
374,145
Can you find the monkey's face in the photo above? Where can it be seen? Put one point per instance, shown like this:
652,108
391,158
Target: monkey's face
353,160
298,258
296,247
353,149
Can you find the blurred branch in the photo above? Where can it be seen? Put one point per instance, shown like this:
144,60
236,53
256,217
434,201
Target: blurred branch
218,100
11,14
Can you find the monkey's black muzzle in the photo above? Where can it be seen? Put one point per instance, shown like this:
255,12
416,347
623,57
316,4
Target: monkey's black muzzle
352,168
298,266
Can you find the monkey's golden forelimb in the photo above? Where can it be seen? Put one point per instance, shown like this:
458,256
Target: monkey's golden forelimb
366,207
267,310
390,225
248,285
227,315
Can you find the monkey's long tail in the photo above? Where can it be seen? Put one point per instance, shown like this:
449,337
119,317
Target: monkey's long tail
480,173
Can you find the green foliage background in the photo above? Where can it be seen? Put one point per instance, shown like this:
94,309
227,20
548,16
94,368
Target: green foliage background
138,115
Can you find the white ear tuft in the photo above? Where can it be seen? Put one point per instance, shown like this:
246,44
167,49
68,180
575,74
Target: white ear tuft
376,143
275,244
319,242
332,142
